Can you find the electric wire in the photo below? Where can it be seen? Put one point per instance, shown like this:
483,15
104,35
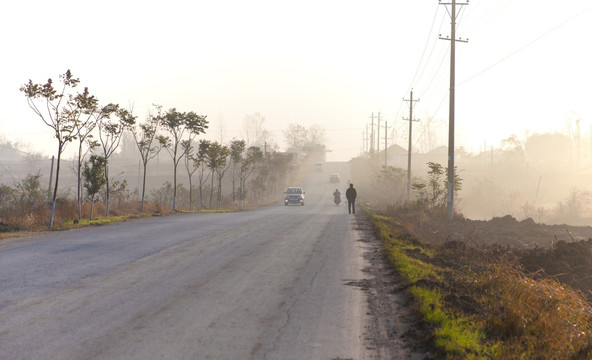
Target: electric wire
429,92
398,126
425,48
525,46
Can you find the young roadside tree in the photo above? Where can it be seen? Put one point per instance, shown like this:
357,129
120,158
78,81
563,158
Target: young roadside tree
237,148
110,132
178,124
191,165
85,116
148,145
421,191
202,162
279,166
94,178
55,107
436,187
28,195
252,159
434,193
217,156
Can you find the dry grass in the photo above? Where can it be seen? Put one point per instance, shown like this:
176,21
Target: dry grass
540,319
481,303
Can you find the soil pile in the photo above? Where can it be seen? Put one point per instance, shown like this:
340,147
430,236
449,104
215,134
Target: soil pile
562,252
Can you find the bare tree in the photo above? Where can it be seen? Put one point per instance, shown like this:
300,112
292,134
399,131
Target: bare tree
317,135
296,135
55,107
254,130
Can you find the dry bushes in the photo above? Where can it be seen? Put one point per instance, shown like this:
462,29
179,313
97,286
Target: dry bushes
537,318
522,314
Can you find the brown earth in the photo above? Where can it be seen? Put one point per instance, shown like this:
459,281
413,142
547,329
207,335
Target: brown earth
562,252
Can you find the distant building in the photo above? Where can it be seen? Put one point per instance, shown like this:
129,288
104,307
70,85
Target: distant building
395,156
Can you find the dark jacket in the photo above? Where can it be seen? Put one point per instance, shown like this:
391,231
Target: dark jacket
351,194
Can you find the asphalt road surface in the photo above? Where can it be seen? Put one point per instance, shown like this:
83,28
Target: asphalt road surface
271,283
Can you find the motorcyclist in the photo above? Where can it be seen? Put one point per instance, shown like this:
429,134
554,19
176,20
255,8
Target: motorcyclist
337,197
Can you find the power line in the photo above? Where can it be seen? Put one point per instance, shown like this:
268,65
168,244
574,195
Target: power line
525,46
425,47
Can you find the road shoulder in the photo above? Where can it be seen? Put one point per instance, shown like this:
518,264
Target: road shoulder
394,330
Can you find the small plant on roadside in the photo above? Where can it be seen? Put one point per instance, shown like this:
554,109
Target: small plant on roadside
433,194
93,178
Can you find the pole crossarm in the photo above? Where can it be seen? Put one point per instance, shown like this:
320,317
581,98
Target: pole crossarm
457,40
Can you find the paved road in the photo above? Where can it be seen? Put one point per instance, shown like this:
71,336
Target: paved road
271,283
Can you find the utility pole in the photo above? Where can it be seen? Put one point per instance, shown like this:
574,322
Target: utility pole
363,143
378,135
411,120
372,135
385,139
366,142
453,40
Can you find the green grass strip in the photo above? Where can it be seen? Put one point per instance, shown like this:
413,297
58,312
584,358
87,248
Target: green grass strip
454,336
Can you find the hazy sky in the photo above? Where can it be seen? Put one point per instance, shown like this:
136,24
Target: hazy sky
333,63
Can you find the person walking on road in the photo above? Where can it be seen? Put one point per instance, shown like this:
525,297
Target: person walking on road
351,194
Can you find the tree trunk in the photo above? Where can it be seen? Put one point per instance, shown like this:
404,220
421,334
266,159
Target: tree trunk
219,197
143,187
107,187
55,189
211,190
190,195
174,185
79,187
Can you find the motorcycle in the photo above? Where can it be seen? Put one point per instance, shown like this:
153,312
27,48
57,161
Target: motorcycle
337,199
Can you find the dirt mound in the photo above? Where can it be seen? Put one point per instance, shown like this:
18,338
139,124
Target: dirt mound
561,252
504,231
568,262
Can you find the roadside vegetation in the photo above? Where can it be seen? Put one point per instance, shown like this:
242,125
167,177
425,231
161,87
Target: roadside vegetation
25,206
478,301
113,143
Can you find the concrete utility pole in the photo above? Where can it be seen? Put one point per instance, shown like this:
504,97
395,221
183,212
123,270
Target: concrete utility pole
411,120
366,143
372,134
453,40
378,135
385,139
